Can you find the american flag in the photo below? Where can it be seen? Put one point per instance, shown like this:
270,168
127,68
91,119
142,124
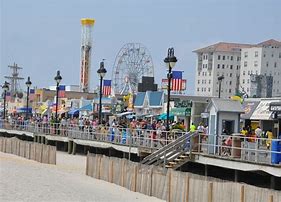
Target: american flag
61,91
177,81
8,96
106,90
32,94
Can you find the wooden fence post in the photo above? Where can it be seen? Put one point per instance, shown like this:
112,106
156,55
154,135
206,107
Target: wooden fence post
210,192
87,163
271,198
135,176
242,193
186,188
111,170
151,181
170,187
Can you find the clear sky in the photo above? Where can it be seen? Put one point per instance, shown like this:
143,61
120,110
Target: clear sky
44,36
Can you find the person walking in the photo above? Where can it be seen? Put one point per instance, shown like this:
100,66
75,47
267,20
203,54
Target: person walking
192,128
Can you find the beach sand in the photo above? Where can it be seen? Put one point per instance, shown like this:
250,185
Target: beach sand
27,180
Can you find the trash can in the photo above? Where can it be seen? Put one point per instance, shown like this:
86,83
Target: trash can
275,147
236,144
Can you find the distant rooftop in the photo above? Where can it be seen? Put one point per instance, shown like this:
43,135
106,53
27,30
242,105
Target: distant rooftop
235,47
224,47
270,42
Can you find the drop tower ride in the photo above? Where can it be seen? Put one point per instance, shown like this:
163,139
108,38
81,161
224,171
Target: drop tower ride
86,49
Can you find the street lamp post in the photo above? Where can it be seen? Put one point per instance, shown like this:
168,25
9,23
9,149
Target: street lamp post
5,87
101,71
28,84
220,78
170,61
58,79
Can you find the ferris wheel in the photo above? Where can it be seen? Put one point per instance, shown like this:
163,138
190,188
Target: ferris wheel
132,63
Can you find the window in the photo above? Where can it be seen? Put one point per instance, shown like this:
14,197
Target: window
247,89
244,73
245,54
238,58
210,73
222,67
231,57
198,73
256,53
198,90
231,66
209,89
230,82
248,72
272,55
206,66
223,57
243,81
228,57
202,89
230,75
219,57
245,63
218,66
256,63
229,90
266,64
198,81
209,81
275,64
248,81
280,55
237,67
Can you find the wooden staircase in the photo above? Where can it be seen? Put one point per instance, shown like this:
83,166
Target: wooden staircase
174,154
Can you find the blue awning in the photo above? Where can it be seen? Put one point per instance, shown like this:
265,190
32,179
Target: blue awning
164,116
88,107
73,112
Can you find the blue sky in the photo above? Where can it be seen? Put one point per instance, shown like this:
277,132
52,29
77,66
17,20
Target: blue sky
43,36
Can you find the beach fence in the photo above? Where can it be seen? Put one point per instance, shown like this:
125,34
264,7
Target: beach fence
173,186
29,150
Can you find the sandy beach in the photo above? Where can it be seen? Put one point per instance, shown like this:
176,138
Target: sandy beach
26,180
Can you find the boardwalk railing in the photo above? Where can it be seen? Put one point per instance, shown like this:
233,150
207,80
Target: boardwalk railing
152,139
231,147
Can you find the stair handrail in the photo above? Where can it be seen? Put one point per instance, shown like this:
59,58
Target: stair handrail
172,144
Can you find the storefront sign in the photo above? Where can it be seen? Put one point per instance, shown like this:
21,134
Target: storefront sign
181,111
275,108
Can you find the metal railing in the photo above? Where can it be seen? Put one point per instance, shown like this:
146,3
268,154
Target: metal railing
241,148
152,139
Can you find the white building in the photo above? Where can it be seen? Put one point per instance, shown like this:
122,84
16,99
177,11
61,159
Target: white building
214,61
236,62
262,59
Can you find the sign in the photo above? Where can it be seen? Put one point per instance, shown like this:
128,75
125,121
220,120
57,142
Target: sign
181,111
275,108
182,103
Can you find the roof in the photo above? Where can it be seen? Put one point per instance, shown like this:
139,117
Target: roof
226,105
224,47
139,99
262,110
88,107
270,42
249,108
155,98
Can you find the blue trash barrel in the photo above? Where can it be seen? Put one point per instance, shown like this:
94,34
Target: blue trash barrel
274,156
